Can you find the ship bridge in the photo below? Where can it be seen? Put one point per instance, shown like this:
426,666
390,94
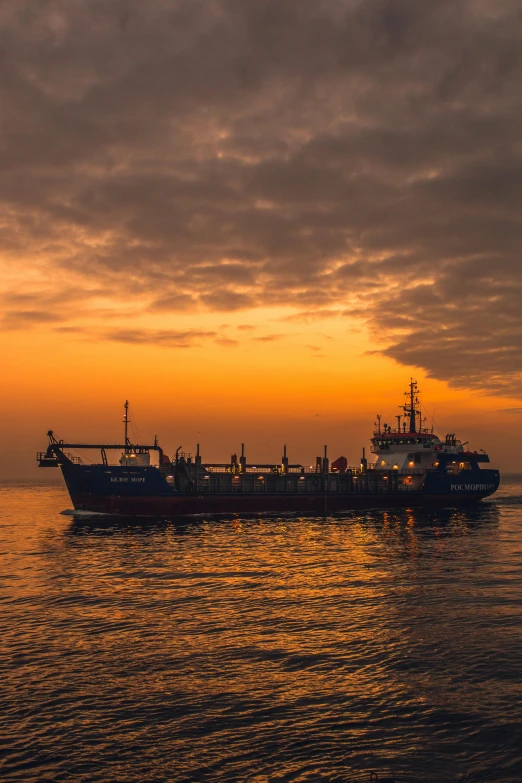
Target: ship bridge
409,445
406,450
404,441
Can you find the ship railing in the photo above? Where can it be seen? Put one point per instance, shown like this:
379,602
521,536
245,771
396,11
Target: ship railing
276,488
401,471
44,455
293,470
425,431
298,470
187,455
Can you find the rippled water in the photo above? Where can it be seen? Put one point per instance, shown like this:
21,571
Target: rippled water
260,650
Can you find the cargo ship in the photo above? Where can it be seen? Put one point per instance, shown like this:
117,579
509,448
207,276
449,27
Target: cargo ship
411,467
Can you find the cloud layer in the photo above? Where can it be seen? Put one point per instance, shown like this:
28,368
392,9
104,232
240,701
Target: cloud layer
359,157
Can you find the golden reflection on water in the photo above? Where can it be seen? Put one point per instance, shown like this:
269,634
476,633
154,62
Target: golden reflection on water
262,644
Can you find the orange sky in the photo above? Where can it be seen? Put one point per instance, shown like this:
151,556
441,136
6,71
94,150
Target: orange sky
278,381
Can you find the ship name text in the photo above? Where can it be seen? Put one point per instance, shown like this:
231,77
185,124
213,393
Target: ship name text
119,479
471,487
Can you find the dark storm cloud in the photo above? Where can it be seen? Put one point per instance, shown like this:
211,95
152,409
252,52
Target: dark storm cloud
360,157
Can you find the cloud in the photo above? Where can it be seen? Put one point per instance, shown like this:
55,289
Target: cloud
269,338
158,337
361,158
465,326
226,342
309,316
29,319
177,303
510,410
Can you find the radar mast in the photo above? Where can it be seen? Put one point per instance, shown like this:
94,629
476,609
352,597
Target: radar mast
410,409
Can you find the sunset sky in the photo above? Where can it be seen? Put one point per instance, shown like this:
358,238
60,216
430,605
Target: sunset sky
256,219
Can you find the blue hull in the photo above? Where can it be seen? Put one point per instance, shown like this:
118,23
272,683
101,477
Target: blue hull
146,492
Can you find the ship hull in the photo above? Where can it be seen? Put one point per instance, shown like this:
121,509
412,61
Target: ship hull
144,492
186,505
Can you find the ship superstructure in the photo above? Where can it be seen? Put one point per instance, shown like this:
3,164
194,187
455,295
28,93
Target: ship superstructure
412,467
415,451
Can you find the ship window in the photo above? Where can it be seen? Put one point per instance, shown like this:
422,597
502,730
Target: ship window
417,458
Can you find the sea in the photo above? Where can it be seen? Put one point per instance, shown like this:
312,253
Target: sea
367,646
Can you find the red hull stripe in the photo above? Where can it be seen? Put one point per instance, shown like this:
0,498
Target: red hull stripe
169,506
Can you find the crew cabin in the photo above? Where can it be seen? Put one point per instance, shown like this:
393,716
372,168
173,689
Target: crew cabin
405,451
135,456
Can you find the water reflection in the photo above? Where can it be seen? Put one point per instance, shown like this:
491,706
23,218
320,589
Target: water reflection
266,649
407,524
109,525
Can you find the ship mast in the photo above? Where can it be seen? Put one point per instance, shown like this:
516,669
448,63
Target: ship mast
410,409
126,425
